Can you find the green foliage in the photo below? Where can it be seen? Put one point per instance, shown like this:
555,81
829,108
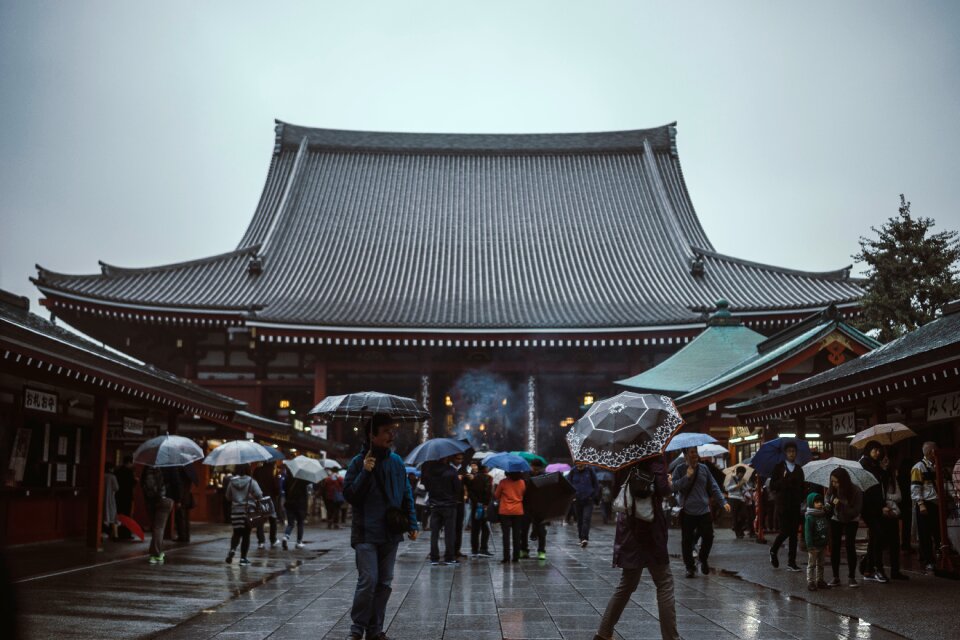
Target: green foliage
911,273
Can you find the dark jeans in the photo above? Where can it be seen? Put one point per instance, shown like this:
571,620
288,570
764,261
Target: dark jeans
666,605
273,530
890,541
692,527
539,533
443,518
606,510
928,532
241,536
458,542
182,521
789,528
742,515
840,530
511,525
584,511
161,513
479,533
333,512
295,513
374,577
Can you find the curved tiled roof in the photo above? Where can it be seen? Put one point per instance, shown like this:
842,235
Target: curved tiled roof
446,231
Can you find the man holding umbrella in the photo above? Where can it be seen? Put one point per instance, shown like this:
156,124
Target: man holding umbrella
376,485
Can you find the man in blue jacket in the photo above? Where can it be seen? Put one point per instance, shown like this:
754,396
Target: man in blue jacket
694,483
584,481
376,481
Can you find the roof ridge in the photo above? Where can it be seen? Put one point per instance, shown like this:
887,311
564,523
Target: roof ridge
110,270
837,274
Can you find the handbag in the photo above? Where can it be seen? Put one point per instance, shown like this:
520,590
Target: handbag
258,510
398,522
625,502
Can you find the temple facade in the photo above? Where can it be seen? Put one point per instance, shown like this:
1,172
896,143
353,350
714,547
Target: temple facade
500,279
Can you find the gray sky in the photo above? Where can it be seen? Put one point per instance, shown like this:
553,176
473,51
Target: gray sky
140,133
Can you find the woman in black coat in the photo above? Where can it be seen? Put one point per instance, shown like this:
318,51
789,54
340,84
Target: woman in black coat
640,545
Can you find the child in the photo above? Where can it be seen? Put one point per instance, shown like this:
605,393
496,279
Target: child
816,533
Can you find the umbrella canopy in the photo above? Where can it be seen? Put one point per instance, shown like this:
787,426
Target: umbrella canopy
508,462
480,456
818,472
238,452
412,470
307,469
559,467
712,450
531,457
687,440
276,453
729,471
886,434
132,525
772,452
436,449
497,475
618,431
548,496
367,404
330,464
342,473
167,451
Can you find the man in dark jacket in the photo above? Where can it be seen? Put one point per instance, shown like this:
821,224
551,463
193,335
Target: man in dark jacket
480,492
443,486
786,482
584,481
871,567
376,480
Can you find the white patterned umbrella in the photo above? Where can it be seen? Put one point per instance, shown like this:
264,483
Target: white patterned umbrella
167,451
818,472
238,452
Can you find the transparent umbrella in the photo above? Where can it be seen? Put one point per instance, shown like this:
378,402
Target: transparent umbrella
237,452
167,451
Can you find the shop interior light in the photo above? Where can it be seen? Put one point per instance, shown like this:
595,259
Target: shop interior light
293,412
275,446
788,435
284,404
293,450
483,427
588,399
448,401
753,436
466,427
735,440
504,402
812,436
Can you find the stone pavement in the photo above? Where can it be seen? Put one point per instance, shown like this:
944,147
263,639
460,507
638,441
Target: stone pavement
307,594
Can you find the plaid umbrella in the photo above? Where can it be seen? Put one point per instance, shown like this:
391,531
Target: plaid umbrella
367,404
618,431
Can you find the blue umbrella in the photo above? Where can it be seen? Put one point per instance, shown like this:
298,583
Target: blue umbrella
276,453
436,449
509,462
687,440
770,453
413,470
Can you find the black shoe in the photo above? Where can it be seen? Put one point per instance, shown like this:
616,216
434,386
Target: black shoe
704,567
774,560
792,566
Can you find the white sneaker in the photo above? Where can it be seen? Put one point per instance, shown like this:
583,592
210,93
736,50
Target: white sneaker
300,545
261,546
274,544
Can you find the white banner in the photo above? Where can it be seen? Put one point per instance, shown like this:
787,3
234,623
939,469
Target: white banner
844,424
943,406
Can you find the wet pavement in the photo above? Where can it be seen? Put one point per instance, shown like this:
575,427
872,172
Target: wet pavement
307,594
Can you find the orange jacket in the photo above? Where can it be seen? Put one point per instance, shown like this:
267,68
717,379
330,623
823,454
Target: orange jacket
510,494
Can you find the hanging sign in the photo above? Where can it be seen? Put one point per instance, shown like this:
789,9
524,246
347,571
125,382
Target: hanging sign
133,426
943,406
39,400
319,430
844,424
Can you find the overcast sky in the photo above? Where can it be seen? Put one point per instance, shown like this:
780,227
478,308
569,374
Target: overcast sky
140,133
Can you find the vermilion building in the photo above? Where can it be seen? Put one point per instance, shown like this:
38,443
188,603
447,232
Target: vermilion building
496,277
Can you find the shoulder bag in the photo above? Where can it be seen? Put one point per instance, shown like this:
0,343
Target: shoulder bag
257,510
398,522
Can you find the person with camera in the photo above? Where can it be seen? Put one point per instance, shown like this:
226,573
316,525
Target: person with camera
695,484
376,486
640,542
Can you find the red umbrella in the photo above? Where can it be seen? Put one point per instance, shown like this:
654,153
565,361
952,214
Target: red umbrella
130,524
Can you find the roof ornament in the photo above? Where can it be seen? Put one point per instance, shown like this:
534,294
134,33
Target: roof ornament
722,316
255,265
697,266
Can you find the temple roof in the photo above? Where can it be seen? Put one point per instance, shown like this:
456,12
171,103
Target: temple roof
467,232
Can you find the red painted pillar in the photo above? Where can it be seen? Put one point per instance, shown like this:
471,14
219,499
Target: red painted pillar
319,381
95,481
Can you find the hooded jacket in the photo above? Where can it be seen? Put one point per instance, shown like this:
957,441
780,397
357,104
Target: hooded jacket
361,490
443,484
816,525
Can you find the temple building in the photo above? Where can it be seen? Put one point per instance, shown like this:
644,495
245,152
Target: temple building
498,278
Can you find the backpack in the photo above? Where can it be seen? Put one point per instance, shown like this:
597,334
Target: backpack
152,484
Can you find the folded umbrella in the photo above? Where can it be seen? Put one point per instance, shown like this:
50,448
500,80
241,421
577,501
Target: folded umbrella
547,496
560,467
237,452
306,469
367,404
167,451
712,450
687,440
771,453
618,431
886,434
132,525
818,472
436,449
508,462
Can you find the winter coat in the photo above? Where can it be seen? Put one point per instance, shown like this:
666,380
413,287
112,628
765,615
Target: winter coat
361,490
585,483
241,491
923,482
816,525
873,497
510,494
848,510
787,486
267,479
480,489
443,484
637,543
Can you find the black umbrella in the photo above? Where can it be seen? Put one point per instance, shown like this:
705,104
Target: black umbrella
618,431
548,496
367,404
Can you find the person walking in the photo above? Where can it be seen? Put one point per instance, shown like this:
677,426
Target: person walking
376,486
159,507
266,477
331,488
587,487
695,485
843,501
640,545
509,493
480,493
891,518
871,567
295,503
926,502
787,484
735,486
443,486
242,491
816,535
461,508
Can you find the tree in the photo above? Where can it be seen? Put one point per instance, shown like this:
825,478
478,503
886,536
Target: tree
911,273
